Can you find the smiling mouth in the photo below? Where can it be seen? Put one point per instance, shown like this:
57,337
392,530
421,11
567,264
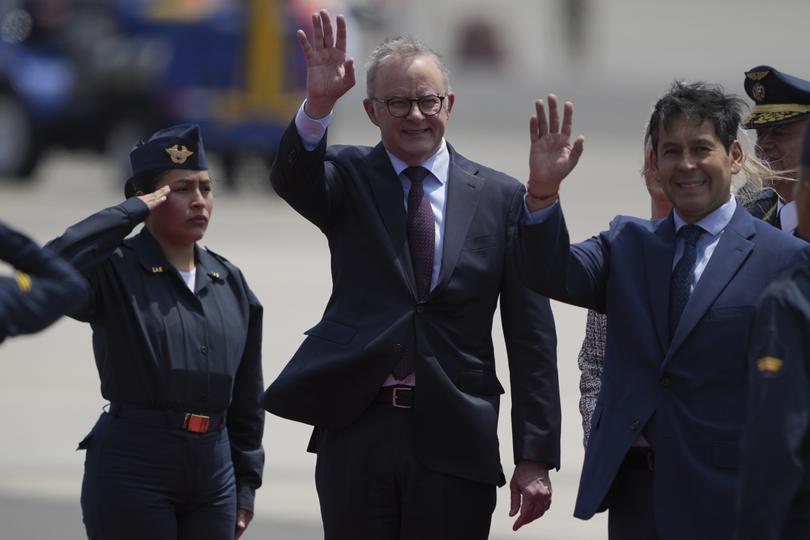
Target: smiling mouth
691,184
413,132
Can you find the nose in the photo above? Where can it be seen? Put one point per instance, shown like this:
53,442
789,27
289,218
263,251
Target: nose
415,114
197,198
687,162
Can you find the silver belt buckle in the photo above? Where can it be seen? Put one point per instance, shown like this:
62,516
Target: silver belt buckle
395,396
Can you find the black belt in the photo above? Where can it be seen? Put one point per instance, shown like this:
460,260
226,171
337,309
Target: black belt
400,397
194,422
639,457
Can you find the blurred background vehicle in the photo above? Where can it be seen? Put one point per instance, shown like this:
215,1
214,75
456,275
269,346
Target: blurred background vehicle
100,74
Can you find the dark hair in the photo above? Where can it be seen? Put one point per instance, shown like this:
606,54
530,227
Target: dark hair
698,101
144,182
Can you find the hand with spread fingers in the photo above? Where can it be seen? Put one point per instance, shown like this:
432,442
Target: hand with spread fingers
552,155
330,74
531,492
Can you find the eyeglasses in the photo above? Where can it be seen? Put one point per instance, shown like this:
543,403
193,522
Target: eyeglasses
401,107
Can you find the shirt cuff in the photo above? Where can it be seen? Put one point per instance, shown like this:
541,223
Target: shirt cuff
311,130
533,218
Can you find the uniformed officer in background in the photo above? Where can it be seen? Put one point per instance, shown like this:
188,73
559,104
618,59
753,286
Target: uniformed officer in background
177,342
774,497
43,288
779,116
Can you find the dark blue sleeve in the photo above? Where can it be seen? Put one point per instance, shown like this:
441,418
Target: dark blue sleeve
45,286
245,414
772,464
89,243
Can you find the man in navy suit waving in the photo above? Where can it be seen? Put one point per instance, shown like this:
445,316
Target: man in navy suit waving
398,377
679,294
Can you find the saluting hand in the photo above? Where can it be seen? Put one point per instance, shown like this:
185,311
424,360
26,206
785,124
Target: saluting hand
330,74
552,156
156,198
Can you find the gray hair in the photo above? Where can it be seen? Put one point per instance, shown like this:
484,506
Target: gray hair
400,47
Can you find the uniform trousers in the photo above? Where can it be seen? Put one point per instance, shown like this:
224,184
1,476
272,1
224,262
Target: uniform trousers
371,486
156,482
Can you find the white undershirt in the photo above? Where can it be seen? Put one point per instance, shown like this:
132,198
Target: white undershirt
190,278
787,215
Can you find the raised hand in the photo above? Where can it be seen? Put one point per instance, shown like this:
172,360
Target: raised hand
552,155
156,198
330,74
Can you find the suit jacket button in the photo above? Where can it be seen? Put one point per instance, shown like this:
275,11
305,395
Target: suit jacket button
635,426
665,381
420,308
399,347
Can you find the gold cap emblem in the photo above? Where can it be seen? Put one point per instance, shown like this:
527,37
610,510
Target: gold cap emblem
769,364
757,75
178,155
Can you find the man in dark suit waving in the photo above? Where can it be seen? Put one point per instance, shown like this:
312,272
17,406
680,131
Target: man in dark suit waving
679,294
399,375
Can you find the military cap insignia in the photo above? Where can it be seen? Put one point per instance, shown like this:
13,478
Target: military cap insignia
178,155
23,281
157,269
758,92
757,75
769,364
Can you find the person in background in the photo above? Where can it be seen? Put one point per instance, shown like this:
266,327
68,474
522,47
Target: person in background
43,289
774,489
780,113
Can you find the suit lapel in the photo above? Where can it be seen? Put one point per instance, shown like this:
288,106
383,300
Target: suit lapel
734,247
659,249
463,194
388,196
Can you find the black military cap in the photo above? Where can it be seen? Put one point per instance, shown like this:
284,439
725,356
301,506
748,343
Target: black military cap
175,147
779,98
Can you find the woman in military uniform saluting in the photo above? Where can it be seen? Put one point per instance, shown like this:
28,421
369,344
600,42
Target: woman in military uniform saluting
177,342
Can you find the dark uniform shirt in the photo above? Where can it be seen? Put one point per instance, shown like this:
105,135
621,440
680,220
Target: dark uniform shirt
775,472
44,288
158,345
765,206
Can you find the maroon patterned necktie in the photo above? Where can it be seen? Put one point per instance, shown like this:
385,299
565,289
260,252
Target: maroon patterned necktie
421,233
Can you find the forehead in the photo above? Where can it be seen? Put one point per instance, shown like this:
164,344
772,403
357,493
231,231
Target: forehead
177,175
409,76
686,128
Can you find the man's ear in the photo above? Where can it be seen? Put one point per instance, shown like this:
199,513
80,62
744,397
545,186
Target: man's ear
368,105
737,156
451,100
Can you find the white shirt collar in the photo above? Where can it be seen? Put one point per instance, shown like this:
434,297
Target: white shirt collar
715,222
438,164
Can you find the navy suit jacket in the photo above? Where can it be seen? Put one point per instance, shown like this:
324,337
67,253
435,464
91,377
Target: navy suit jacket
687,395
373,316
